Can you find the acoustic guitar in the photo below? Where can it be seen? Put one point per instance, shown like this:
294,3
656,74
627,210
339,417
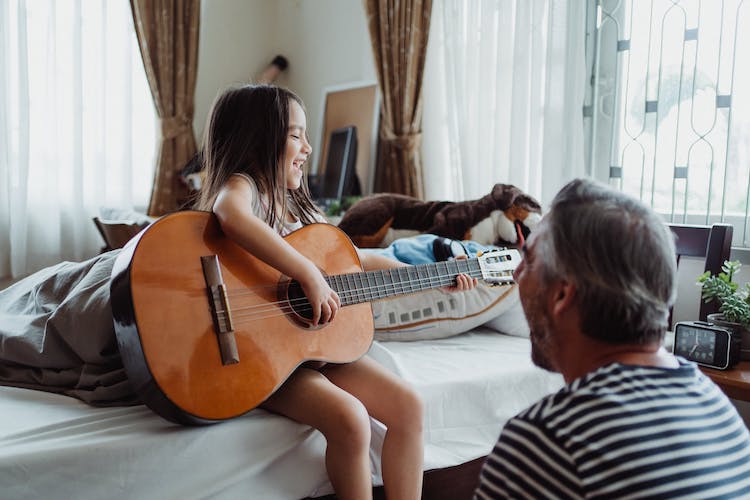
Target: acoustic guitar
207,331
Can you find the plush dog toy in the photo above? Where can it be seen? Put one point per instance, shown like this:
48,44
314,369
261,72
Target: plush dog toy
503,217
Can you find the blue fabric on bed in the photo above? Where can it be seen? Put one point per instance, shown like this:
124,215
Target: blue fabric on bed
419,249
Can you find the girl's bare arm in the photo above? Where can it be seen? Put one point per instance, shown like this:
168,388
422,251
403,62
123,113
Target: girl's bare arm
233,208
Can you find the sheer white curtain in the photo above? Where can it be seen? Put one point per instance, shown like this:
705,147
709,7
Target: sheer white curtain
503,97
77,127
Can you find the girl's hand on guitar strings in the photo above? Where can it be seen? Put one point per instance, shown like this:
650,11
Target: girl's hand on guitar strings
463,281
324,302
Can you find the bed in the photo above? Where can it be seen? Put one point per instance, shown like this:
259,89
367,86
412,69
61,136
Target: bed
55,446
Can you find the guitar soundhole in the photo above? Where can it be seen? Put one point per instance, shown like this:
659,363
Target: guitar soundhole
301,312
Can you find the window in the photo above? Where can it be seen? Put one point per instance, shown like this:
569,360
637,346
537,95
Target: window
668,112
77,130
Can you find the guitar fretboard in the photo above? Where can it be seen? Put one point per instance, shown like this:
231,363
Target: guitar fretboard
354,288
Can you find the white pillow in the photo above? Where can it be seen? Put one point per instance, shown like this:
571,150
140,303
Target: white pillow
437,313
512,321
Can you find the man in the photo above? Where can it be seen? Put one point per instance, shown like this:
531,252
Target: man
596,284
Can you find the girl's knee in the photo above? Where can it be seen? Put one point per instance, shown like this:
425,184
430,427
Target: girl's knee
415,407
349,423
406,411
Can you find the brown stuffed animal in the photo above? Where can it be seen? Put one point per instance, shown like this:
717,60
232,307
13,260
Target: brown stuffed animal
378,219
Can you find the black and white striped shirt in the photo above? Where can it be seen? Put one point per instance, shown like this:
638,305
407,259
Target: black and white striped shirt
624,431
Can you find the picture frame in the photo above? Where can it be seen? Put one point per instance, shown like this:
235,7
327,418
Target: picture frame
356,104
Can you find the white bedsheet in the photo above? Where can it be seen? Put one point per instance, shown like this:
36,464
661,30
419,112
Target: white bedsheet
53,446
471,384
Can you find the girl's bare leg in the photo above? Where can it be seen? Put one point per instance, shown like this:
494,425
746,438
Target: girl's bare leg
310,398
390,400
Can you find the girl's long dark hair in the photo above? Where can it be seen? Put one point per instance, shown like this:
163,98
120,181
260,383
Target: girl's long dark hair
246,133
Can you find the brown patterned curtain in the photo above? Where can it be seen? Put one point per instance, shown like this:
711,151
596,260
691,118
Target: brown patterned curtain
399,30
168,38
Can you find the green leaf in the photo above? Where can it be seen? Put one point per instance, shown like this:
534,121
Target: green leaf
734,304
734,308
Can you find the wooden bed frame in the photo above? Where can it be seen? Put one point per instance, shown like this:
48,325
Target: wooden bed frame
714,243
451,483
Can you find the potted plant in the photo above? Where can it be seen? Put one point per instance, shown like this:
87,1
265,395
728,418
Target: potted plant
734,302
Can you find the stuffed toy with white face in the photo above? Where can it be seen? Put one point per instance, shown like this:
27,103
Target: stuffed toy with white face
503,218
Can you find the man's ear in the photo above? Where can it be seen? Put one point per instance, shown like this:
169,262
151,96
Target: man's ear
562,297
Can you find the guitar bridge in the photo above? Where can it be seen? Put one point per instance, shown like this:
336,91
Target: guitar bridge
220,311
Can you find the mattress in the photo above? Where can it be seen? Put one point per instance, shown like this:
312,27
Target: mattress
53,446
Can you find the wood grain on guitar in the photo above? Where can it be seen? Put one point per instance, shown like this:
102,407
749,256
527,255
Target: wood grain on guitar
207,331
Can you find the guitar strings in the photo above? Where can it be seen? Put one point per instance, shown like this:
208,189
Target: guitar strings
286,307
237,292
344,296
274,309
357,292
253,290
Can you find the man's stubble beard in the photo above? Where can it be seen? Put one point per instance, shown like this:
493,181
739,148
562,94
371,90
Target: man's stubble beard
540,333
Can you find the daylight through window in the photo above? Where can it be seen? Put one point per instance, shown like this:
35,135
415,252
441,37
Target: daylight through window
668,112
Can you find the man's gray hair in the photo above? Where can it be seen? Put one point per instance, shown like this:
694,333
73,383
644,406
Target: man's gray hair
620,256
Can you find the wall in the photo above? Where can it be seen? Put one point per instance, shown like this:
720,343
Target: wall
235,45
326,42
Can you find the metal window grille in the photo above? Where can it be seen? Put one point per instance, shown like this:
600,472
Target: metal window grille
667,114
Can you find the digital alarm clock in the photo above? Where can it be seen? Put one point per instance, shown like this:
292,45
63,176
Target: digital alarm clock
706,344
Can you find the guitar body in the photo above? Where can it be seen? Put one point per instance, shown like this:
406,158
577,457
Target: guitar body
167,331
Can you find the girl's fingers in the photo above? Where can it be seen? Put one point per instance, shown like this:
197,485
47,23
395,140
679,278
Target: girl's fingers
328,309
464,282
461,282
333,310
325,312
316,313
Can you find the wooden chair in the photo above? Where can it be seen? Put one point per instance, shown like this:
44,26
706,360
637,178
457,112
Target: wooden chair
116,233
714,243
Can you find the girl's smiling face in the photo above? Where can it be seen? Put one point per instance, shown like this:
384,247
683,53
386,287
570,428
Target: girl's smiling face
298,149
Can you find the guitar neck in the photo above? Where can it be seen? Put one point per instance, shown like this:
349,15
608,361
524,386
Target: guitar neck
354,288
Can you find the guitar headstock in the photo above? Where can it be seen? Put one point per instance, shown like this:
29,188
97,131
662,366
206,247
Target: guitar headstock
498,265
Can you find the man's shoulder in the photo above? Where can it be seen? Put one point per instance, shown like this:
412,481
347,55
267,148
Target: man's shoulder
549,406
610,383
582,388
614,398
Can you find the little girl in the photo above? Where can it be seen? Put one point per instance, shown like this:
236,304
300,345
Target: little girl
255,148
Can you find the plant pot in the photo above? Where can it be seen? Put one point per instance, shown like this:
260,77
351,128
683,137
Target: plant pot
737,328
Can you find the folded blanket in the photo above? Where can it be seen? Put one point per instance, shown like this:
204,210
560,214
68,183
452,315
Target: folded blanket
57,334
